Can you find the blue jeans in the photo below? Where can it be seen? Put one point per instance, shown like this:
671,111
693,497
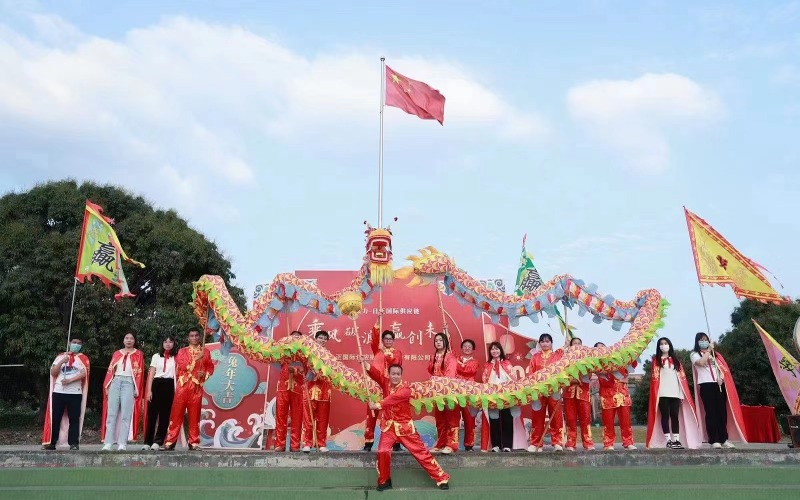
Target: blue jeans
120,406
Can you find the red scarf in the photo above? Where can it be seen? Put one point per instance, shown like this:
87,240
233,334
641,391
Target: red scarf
667,362
125,361
71,359
496,367
166,357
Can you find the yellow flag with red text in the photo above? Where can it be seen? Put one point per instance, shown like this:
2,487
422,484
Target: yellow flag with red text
719,263
100,253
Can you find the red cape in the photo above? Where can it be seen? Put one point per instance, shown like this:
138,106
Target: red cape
736,428
687,418
138,368
48,417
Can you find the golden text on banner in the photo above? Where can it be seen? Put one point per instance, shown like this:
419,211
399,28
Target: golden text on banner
785,368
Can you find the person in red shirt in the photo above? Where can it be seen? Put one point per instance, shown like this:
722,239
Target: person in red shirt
289,401
578,407
386,355
615,400
466,368
397,425
443,364
193,366
551,404
316,406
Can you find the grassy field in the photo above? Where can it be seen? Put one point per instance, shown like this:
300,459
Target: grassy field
506,483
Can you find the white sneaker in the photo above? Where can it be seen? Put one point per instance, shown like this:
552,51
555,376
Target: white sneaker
106,447
532,448
306,449
145,447
434,450
447,450
558,448
323,450
122,447
716,445
609,448
570,448
155,447
589,449
630,447
728,444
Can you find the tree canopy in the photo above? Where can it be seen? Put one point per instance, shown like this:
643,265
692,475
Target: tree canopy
39,238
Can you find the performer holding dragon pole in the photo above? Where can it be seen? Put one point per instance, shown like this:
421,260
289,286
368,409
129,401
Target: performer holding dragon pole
193,366
398,426
466,369
551,404
290,401
386,355
615,400
578,408
443,364
317,406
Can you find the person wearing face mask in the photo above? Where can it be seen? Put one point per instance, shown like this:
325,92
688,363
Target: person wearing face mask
124,390
498,371
316,406
615,400
443,364
386,355
159,395
578,407
718,409
466,368
670,402
69,386
551,405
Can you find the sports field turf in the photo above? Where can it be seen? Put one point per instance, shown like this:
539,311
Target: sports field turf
700,483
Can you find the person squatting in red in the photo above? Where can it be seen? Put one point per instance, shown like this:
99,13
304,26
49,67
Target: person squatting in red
615,400
316,406
466,368
386,355
551,404
578,408
193,366
443,364
398,426
290,401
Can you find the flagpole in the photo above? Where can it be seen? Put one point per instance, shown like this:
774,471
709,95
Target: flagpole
705,311
380,144
699,283
71,310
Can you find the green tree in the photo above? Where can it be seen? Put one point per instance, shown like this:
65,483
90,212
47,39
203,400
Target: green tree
745,354
640,402
39,237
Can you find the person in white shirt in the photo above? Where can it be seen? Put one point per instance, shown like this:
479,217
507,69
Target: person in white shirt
69,377
159,394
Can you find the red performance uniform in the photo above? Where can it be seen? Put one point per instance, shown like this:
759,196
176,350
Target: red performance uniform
316,411
578,408
447,420
466,369
550,405
398,426
189,392
384,358
615,400
289,402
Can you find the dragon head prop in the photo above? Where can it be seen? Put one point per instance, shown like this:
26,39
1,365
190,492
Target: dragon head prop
427,268
379,254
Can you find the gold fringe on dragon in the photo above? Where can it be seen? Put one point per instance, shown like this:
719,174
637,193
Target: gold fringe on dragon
220,316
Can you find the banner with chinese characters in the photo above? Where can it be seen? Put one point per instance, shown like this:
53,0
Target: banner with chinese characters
235,395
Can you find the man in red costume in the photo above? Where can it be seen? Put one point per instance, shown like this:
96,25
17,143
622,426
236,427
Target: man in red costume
69,387
550,405
193,366
289,401
615,400
578,407
397,425
316,406
466,368
386,355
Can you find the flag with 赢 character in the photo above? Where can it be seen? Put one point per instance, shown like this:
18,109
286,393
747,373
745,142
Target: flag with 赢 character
100,253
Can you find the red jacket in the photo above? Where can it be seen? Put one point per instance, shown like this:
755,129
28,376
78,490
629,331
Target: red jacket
384,358
395,406
578,390
187,368
292,375
450,364
614,393
466,369
542,360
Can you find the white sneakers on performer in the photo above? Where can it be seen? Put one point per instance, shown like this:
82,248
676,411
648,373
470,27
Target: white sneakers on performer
306,449
631,447
323,450
716,446
434,450
496,449
609,448
532,449
447,450
122,447
570,448
155,447
728,444
558,448
106,447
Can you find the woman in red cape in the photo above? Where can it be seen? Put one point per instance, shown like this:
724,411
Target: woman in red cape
444,364
686,416
126,369
68,358
718,409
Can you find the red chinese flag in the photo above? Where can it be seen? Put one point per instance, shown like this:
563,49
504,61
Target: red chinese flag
413,97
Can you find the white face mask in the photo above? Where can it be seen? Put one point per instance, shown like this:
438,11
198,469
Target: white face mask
664,348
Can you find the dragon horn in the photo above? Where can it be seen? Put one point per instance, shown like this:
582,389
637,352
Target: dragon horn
404,272
432,250
424,252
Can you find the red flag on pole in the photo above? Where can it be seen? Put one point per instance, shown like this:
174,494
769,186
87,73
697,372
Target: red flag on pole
414,97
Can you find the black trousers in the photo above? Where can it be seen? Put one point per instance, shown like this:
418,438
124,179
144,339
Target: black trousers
71,403
669,408
715,403
501,430
158,411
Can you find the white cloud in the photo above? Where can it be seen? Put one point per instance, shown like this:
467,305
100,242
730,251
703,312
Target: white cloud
635,117
193,105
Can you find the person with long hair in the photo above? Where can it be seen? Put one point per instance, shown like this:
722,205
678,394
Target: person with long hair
578,407
718,410
466,369
615,400
123,389
160,393
443,364
386,355
550,405
498,371
670,402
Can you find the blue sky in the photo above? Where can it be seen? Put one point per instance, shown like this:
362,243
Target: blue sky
587,127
